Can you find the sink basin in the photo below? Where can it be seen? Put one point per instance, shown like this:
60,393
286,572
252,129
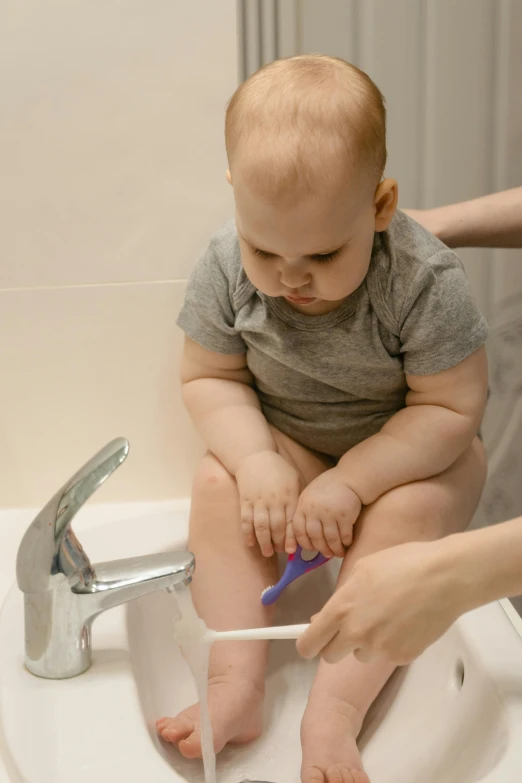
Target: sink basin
454,716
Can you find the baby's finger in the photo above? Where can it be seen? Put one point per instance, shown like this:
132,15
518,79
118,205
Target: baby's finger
263,533
345,529
333,537
290,540
278,528
299,527
247,524
291,508
315,533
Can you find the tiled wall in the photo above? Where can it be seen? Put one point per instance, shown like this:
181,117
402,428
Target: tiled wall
113,178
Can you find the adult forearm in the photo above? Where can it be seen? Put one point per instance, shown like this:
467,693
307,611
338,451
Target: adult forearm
228,418
484,565
491,221
417,443
399,601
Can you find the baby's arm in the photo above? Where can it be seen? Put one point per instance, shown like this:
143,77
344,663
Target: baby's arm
442,416
219,395
490,221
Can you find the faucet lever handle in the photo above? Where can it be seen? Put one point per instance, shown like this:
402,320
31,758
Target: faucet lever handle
49,545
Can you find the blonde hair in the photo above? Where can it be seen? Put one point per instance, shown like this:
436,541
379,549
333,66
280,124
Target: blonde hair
308,119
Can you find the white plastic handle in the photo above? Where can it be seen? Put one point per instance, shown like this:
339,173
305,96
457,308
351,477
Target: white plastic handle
253,634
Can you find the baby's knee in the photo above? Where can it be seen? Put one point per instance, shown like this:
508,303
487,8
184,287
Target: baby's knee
212,481
430,509
408,510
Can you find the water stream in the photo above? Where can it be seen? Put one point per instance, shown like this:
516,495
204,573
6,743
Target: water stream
191,634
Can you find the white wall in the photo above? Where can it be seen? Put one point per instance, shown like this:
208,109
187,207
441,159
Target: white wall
112,180
112,162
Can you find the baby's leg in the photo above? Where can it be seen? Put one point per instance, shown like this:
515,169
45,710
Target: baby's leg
343,692
226,589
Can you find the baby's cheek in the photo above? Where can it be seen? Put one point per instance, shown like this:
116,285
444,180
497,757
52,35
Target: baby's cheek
264,278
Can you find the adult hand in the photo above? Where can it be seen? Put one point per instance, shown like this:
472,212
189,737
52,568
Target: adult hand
395,603
326,513
268,492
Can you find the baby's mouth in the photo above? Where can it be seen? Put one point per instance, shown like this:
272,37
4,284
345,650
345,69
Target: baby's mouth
302,300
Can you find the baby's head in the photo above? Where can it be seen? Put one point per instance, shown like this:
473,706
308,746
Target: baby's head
306,147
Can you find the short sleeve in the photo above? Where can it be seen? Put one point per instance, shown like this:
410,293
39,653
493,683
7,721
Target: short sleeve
440,323
207,315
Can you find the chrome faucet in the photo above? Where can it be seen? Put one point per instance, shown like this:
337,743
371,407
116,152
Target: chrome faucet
64,592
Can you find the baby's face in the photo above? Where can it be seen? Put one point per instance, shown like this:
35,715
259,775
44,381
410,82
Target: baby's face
314,252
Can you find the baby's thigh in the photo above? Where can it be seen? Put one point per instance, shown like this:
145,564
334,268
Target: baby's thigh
424,510
309,464
215,504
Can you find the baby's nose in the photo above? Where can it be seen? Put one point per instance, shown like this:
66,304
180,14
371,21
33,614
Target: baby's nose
294,276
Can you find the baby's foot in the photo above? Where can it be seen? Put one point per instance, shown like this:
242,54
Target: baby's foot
236,713
328,735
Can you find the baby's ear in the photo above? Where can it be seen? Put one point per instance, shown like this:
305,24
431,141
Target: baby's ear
385,200
229,177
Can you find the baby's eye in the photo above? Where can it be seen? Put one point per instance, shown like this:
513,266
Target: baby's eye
326,256
262,253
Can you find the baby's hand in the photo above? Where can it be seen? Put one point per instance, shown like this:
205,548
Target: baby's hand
326,513
268,492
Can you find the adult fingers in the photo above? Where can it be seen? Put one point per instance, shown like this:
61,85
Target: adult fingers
338,648
365,654
319,634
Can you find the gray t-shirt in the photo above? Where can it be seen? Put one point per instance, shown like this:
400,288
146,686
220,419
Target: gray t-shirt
330,381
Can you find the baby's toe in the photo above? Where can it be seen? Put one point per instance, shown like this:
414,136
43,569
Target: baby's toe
336,773
190,747
312,775
175,729
342,774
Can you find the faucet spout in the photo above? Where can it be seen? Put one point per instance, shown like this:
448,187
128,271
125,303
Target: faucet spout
49,546
64,592
121,581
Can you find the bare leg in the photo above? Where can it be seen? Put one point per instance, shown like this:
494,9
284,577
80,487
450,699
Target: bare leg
226,589
343,692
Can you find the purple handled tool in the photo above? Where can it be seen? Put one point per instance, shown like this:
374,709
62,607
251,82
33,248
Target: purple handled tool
295,567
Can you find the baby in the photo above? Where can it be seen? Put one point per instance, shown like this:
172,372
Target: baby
335,368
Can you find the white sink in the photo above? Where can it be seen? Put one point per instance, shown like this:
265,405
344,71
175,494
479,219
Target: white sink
454,716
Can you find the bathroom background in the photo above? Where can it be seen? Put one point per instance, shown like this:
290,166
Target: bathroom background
113,179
